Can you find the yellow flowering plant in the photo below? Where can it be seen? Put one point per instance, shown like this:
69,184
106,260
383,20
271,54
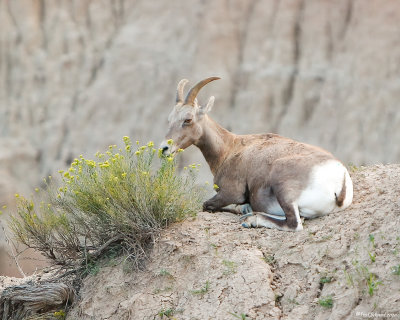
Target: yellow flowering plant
121,199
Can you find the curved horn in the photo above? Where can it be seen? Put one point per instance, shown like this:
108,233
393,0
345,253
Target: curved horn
179,90
192,94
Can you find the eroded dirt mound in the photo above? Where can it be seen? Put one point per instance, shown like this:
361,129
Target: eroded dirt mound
210,267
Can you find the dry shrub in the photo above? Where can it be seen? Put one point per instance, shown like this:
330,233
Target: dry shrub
120,201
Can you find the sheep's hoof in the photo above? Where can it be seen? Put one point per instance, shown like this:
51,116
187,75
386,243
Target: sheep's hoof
243,217
208,208
246,209
249,220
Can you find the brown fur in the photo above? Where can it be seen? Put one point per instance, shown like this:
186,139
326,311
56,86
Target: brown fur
244,161
259,169
342,195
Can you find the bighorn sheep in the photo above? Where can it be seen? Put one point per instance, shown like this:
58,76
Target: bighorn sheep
281,179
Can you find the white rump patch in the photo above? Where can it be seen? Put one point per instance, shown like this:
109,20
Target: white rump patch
326,181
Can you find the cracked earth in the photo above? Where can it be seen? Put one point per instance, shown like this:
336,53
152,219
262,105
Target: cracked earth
209,267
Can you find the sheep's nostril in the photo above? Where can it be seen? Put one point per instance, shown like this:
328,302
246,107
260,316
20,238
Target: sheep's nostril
165,148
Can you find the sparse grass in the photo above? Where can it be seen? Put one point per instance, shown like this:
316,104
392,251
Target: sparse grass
230,267
241,316
372,284
326,302
165,272
372,256
396,270
293,301
325,279
159,290
353,168
215,247
362,275
166,312
371,239
349,278
203,290
116,203
269,259
91,268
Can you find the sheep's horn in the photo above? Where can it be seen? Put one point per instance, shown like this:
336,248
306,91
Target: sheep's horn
179,90
192,94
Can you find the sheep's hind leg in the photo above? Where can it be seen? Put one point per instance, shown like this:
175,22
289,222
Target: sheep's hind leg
238,208
291,222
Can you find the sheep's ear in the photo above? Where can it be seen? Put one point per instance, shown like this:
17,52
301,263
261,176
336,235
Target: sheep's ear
209,105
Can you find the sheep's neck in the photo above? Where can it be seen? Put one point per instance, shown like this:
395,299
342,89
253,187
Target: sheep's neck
215,143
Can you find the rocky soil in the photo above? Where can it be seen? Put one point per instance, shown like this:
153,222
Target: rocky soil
209,267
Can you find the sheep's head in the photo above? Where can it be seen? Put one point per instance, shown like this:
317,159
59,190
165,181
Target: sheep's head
185,120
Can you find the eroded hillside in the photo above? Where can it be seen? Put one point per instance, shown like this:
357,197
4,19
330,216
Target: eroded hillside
209,267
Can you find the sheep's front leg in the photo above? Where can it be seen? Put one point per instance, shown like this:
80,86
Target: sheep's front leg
221,200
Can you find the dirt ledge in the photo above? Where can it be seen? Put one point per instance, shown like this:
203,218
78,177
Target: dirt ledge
210,267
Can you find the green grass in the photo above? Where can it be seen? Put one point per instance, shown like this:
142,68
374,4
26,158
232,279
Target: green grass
241,316
166,312
372,256
363,277
118,202
325,279
372,283
202,290
371,239
230,267
165,272
326,302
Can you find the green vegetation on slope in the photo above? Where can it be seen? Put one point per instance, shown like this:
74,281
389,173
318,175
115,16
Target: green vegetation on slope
118,202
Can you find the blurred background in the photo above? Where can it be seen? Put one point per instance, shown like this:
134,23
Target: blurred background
78,75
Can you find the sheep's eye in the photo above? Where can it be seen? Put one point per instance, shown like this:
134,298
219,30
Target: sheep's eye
187,121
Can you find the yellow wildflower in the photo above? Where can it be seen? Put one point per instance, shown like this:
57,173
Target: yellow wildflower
105,164
170,141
